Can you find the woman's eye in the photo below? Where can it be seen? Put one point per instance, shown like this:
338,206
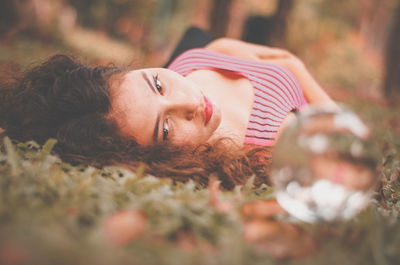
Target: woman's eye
165,131
158,84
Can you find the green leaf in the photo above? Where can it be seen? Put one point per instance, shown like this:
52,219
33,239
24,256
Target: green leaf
12,156
48,146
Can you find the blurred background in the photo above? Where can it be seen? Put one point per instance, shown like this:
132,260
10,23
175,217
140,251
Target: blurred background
344,43
350,46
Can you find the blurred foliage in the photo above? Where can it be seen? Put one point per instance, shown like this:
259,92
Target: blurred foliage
327,36
107,14
134,20
26,52
344,66
52,212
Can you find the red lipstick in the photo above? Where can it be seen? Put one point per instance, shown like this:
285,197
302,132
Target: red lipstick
208,110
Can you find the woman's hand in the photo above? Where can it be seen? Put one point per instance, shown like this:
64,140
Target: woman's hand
311,89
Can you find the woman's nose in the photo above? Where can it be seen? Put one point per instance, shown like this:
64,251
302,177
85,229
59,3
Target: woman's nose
186,110
184,106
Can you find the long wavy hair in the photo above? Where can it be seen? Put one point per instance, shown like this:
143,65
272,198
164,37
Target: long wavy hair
70,102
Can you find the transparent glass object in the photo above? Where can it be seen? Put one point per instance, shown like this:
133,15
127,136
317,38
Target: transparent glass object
324,165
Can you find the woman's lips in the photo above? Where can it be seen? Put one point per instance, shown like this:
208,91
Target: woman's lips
208,110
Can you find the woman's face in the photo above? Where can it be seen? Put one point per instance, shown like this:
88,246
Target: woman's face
157,105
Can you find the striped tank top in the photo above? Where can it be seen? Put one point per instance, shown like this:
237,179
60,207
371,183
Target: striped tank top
276,90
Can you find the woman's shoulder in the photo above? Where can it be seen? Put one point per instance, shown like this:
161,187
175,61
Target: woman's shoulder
202,54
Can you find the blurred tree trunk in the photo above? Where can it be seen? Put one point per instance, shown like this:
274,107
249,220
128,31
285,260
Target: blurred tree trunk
281,21
8,16
392,80
200,14
373,23
269,30
219,17
16,16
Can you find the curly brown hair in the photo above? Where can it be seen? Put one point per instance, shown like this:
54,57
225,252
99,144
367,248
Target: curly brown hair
69,101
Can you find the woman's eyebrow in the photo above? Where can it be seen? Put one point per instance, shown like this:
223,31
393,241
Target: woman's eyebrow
155,132
146,78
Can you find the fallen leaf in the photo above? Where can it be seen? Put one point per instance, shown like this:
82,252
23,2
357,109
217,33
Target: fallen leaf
123,226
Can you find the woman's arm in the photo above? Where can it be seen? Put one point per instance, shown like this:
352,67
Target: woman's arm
311,89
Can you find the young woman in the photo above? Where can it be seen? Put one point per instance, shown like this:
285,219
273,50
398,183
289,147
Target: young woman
213,110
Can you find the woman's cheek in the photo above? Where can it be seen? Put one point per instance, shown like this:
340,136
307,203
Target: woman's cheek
189,136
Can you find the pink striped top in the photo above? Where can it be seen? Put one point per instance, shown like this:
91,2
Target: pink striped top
276,90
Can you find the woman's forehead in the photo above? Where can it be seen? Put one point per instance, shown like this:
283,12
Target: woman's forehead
134,107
